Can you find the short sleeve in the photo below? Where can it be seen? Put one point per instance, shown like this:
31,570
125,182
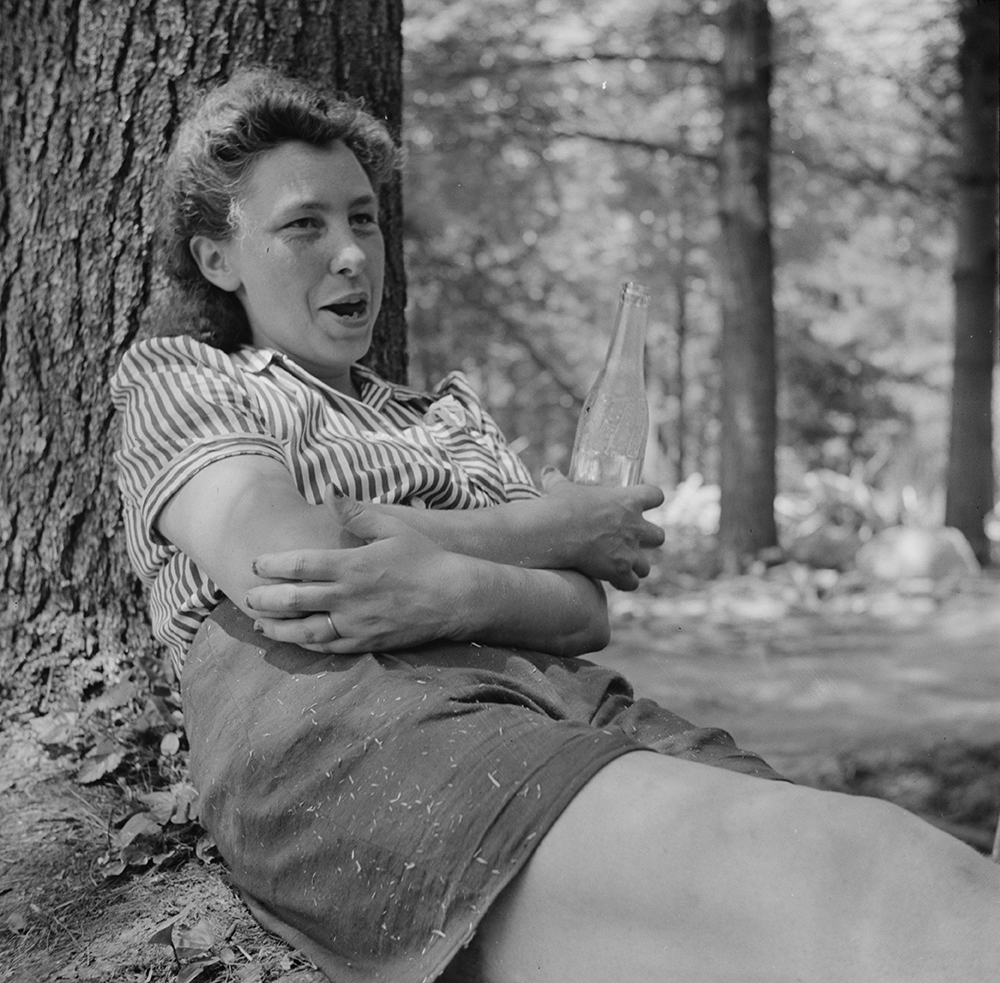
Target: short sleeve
183,406
456,407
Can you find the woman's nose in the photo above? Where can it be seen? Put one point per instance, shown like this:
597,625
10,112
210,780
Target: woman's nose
348,257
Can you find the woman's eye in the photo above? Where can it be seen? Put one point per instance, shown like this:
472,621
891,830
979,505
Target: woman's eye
364,219
306,222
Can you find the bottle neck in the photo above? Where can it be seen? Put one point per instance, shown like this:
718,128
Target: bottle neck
628,341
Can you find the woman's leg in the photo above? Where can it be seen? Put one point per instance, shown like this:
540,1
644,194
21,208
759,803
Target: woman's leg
663,870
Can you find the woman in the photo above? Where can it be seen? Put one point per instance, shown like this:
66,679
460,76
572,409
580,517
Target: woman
376,621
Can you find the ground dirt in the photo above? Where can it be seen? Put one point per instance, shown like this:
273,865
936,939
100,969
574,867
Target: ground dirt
888,692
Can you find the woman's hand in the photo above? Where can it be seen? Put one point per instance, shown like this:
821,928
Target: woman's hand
598,530
397,590
400,589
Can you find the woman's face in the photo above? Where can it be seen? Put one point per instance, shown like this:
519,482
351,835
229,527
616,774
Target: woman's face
308,261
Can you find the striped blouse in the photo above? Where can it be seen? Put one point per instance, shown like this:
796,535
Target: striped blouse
185,405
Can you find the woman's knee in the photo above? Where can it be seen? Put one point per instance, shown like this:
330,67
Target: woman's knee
866,868
681,858
872,833
666,830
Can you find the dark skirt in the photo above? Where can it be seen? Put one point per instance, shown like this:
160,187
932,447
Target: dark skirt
371,808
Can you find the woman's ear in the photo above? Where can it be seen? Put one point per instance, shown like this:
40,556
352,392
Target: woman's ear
214,259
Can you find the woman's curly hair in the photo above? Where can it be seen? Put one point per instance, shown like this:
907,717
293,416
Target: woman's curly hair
208,170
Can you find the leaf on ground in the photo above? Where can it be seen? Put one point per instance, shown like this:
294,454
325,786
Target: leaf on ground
163,934
141,824
137,854
186,799
55,728
193,970
113,868
116,696
194,941
16,922
96,768
177,804
228,956
170,744
167,858
160,805
193,946
205,849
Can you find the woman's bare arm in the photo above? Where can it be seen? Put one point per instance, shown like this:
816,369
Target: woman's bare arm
393,587
598,531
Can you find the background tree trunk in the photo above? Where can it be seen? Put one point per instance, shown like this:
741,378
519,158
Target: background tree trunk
90,95
748,404
971,489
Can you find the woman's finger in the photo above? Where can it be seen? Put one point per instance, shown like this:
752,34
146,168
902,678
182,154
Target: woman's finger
317,632
626,581
651,535
641,567
289,598
649,496
364,520
297,565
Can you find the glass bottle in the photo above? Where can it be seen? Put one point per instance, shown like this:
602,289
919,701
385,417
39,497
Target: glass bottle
611,433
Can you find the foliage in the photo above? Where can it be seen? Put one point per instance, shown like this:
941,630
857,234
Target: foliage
522,295
132,734
560,147
195,948
824,518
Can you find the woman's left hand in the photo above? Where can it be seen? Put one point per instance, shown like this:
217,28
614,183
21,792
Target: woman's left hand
596,529
397,590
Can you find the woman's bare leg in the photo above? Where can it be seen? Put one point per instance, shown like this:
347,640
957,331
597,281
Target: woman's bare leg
663,870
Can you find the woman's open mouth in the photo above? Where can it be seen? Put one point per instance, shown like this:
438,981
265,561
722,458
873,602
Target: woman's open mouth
349,309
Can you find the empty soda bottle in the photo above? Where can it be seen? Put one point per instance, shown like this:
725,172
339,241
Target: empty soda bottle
611,434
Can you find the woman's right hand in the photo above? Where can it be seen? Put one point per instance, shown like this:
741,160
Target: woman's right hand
397,589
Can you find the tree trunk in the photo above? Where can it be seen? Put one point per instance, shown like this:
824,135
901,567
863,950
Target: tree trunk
747,464
90,94
971,490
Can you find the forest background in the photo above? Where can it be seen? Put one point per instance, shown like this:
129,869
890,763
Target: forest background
795,182
558,148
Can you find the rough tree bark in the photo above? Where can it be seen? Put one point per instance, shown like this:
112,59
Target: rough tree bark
971,487
90,94
748,405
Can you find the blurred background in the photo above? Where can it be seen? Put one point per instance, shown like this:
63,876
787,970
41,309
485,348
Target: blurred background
559,147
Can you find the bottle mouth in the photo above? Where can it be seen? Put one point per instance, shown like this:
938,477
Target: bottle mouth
636,292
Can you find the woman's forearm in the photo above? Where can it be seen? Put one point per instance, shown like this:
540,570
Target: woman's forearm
600,532
392,588
501,533
400,588
559,612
